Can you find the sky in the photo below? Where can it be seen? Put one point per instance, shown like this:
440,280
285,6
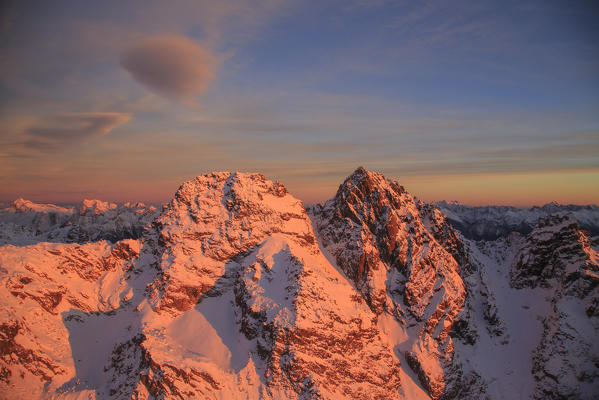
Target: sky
486,102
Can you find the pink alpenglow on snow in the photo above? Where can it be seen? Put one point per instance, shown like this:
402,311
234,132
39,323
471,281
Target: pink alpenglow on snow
236,290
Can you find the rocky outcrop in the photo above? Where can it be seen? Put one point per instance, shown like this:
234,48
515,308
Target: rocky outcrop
566,361
557,252
375,232
311,332
558,257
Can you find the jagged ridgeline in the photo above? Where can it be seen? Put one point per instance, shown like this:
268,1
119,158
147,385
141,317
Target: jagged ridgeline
236,291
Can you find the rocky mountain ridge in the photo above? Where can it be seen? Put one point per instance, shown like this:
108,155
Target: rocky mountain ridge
494,222
373,230
24,222
235,291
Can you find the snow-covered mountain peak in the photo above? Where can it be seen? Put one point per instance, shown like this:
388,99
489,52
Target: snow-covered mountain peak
362,173
239,251
492,222
557,254
239,189
242,205
215,218
235,291
22,205
375,232
96,206
25,222
368,186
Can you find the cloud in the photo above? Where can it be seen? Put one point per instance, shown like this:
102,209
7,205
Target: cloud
174,66
64,129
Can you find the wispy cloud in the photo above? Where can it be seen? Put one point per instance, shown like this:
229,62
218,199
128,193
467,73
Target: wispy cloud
65,129
173,66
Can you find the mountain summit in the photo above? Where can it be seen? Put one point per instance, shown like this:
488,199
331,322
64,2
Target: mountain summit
376,234
236,291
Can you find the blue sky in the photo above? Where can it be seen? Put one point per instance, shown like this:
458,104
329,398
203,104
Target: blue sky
481,102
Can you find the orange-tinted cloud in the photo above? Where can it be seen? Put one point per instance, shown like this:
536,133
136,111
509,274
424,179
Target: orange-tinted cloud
174,66
64,129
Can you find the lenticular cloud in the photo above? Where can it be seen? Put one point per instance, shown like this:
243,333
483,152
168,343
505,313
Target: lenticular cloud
66,129
174,66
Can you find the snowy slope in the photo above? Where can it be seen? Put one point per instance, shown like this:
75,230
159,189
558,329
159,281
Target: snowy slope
544,290
48,292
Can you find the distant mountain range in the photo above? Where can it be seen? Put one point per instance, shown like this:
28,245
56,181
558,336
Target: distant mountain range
235,290
24,222
493,222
